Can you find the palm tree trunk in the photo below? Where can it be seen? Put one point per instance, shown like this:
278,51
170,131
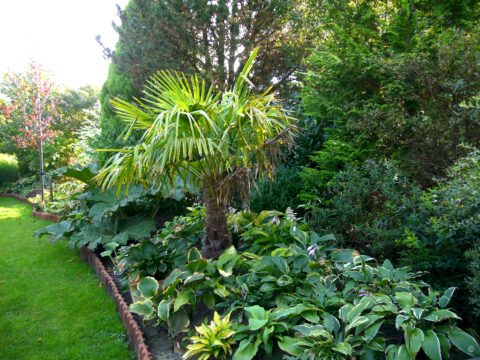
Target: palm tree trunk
218,237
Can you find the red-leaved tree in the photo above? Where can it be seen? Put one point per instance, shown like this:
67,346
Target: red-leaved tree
35,104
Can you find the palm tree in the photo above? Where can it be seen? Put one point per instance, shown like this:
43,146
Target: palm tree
217,142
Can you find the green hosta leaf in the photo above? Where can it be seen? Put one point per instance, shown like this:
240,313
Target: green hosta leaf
281,264
344,311
446,297
286,312
444,345
443,314
194,254
359,320
208,299
170,290
405,299
431,346
246,350
227,261
284,280
416,340
174,275
365,303
221,291
184,297
403,354
343,348
417,312
312,330
290,345
377,344
464,341
164,309
255,324
142,307
256,312
148,287
178,321
331,322
400,320
194,277
372,331
197,265
149,250
356,275
311,315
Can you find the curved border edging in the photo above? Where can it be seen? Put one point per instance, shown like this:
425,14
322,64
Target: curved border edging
134,333
133,330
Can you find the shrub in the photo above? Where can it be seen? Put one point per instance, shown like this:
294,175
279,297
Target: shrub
446,224
8,169
279,193
365,207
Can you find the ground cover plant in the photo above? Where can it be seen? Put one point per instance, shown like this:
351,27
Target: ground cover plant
52,306
299,299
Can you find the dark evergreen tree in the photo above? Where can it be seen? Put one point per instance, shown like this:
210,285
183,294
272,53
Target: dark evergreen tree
210,38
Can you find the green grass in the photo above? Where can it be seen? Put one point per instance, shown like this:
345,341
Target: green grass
52,306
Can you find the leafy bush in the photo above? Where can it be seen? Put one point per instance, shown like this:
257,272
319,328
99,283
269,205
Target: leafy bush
279,193
8,169
103,219
365,207
25,186
63,197
444,225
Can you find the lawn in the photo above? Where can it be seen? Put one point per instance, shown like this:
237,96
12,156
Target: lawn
52,306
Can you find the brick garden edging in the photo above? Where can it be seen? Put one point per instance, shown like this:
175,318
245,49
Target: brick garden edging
133,330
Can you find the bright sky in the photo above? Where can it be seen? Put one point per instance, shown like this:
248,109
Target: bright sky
60,34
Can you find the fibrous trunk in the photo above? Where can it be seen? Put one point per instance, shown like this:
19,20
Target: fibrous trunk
217,236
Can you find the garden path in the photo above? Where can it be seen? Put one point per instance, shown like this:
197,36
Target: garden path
51,304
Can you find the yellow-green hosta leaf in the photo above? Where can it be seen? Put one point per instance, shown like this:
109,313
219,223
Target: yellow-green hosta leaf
142,307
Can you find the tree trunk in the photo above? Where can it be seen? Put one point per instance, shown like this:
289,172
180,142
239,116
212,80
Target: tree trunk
50,188
218,237
42,179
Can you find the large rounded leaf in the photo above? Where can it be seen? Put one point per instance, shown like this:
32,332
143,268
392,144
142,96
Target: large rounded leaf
142,308
148,287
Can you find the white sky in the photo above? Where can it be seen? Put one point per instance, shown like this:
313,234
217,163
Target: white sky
60,34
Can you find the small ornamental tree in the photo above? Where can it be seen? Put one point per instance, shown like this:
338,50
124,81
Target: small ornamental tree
33,102
217,142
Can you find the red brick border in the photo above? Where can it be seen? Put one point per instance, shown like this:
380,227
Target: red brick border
133,330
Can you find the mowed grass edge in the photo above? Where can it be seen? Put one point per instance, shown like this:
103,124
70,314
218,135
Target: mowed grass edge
52,306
